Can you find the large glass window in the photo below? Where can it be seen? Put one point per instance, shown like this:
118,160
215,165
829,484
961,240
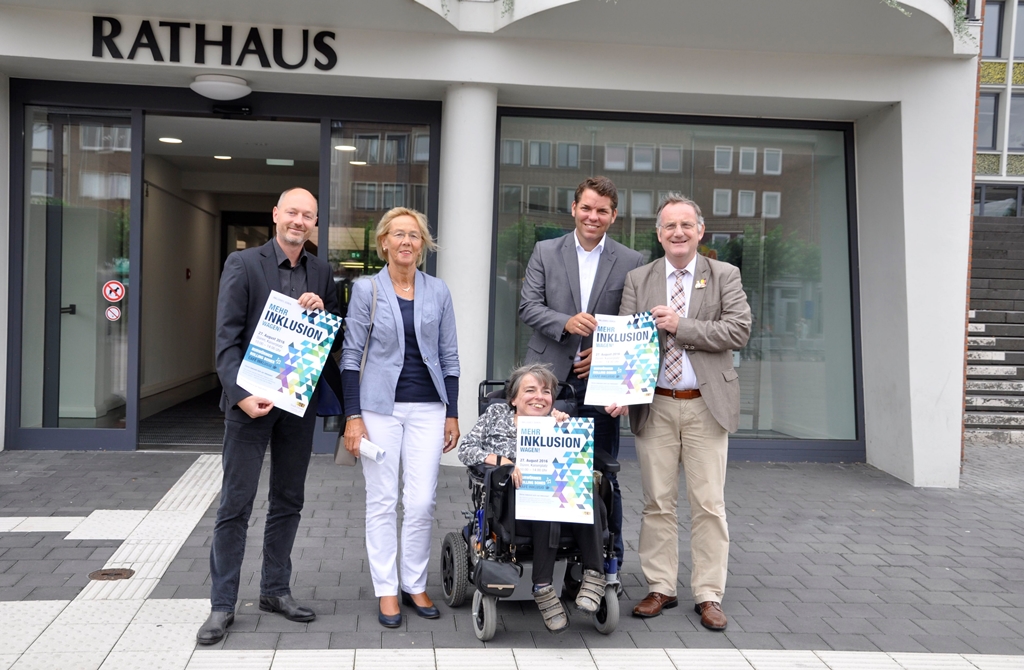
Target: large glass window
1015,136
988,104
368,179
780,195
992,29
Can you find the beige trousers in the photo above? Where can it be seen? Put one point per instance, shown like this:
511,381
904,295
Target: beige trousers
683,433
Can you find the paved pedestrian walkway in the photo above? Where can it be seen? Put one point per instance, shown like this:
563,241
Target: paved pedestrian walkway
831,566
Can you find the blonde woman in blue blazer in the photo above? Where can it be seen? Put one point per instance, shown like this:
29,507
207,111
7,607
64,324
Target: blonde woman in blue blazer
407,403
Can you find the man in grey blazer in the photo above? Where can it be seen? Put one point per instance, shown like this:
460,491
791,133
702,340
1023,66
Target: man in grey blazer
250,422
702,315
568,280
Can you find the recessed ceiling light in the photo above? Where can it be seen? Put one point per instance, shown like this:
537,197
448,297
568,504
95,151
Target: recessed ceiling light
170,140
345,147
357,162
281,161
223,158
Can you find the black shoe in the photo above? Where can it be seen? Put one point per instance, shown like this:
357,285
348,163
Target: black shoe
286,606
388,620
213,629
429,612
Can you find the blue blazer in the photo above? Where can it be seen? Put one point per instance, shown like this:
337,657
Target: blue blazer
435,334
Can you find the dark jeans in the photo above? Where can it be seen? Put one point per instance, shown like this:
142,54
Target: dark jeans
606,438
586,538
291,442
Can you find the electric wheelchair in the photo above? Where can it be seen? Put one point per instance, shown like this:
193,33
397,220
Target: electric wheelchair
489,554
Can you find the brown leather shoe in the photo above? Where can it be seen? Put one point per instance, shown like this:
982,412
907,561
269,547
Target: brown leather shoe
653,604
711,615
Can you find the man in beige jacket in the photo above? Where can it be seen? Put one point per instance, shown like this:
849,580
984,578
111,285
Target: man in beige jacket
702,315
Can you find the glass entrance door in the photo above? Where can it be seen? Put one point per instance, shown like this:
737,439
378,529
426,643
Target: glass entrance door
75,284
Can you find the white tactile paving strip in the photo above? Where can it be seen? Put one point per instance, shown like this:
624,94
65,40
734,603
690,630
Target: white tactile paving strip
157,537
108,524
7,524
48,524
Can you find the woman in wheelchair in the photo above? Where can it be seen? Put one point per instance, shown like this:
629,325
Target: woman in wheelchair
530,392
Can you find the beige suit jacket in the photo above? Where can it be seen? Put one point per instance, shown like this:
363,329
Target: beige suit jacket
718,321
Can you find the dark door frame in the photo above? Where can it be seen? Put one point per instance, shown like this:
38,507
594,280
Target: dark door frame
136,102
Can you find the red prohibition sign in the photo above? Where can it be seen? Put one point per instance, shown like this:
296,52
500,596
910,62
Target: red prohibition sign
113,291
113,313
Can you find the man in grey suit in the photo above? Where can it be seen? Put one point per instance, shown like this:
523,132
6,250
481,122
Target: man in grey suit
250,421
568,280
702,315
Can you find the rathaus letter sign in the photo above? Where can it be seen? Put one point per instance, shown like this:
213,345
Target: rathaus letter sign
164,44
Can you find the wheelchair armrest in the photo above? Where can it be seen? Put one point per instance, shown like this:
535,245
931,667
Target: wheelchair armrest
605,462
481,471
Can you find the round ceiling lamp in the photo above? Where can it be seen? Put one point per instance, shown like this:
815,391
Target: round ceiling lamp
220,87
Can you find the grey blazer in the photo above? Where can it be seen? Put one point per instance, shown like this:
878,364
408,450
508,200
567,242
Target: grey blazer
435,333
551,295
245,284
718,322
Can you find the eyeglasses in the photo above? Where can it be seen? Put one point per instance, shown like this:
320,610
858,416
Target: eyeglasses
685,226
400,235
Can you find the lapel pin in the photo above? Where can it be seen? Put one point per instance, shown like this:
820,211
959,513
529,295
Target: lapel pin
701,283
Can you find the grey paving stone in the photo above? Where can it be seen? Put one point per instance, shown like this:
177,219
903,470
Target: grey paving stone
512,640
742,640
406,640
356,640
236,640
801,641
457,639
944,644
848,642
655,640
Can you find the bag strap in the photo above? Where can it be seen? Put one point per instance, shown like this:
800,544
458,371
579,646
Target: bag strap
373,312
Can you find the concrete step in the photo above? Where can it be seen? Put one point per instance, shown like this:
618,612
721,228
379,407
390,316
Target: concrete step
988,403
980,293
989,342
994,371
978,342
1012,305
994,263
1001,227
982,435
987,357
981,386
994,420
996,329
1009,257
997,273
996,283
995,316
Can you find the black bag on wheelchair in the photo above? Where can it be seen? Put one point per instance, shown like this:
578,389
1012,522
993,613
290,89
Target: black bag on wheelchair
495,578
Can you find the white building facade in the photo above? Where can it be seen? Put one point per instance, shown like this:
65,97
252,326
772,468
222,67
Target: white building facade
828,144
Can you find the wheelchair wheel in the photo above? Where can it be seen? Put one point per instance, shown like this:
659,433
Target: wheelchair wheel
607,617
454,569
485,616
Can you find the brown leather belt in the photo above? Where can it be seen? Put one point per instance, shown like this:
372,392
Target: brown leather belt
678,395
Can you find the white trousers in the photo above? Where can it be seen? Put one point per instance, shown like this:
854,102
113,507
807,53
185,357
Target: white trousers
414,437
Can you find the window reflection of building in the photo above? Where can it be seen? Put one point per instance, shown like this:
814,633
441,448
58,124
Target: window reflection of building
374,167
797,371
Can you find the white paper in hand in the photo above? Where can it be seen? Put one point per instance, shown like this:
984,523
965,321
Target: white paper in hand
370,450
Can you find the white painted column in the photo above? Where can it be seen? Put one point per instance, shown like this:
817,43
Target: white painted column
465,227
914,178
5,212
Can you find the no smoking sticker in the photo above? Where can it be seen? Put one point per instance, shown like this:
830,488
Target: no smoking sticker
113,291
113,313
